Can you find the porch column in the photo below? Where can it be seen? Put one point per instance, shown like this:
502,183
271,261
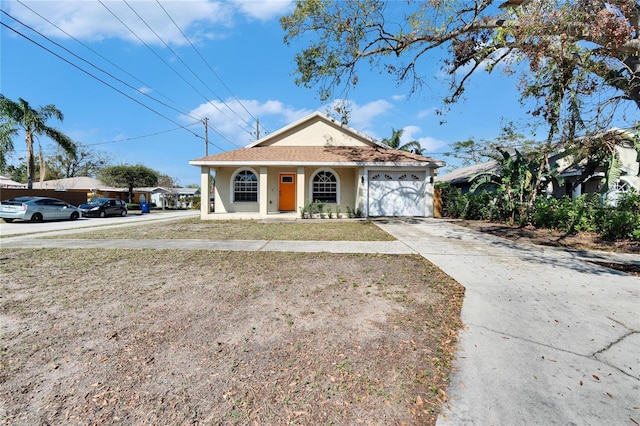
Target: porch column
577,191
429,198
300,187
264,193
205,194
362,191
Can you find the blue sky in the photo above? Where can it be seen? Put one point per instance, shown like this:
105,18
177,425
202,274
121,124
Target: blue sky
246,75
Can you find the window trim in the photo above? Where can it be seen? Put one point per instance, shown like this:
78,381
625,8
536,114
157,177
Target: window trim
232,192
335,174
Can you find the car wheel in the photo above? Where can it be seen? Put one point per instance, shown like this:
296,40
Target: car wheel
103,214
74,215
8,220
37,217
123,213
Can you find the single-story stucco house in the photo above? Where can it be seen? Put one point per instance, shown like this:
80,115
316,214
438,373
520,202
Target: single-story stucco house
318,159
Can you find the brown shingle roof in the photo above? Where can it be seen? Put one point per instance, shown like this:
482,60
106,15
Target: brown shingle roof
317,154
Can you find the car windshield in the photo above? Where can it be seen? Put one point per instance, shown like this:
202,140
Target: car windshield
97,201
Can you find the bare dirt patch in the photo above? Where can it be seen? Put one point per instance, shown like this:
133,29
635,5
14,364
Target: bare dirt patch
170,337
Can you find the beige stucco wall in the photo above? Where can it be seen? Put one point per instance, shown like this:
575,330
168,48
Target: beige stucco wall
347,177
224,196
317,134
348,180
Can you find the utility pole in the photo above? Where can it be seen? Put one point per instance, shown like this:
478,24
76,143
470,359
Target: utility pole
257,128
206,136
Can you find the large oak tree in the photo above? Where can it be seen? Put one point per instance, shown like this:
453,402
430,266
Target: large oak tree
579,59
129,176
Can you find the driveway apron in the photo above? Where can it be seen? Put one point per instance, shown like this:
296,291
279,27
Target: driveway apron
548,339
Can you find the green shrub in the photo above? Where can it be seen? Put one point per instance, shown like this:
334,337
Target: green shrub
587,213
565,214
620,222
452,200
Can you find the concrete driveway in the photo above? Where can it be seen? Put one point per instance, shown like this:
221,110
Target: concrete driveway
549,338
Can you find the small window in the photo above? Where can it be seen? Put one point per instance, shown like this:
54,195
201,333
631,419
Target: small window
287,179
325,187
245,186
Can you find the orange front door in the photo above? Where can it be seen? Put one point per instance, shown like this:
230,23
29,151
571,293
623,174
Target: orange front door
287,192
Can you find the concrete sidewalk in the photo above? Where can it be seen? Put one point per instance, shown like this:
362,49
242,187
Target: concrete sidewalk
548,339
382,247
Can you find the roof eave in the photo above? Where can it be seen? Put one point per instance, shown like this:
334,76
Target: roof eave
205,163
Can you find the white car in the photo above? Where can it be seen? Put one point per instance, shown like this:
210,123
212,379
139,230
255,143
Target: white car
37,209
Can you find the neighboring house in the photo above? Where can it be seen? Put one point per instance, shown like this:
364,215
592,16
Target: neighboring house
94,188
176,198
5,182
576,183
461,178
317,158
576,178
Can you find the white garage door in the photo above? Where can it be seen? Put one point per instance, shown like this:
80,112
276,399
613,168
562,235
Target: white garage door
397,193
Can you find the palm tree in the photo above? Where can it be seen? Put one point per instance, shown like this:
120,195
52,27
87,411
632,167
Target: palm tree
515,184
7,131
394,142
33,123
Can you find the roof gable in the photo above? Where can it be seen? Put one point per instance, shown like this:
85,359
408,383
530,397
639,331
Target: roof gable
317,140
315,130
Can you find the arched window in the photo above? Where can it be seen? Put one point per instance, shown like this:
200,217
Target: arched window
325,187
245,186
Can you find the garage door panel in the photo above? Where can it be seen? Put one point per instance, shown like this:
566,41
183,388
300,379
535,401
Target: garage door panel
397,194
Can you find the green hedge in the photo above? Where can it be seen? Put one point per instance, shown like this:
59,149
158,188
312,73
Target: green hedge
588,213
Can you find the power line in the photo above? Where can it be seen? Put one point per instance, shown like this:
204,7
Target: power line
163,61
96,53
110,75
186,66
97,78
115,65
212,71
81,69
102,70
141,137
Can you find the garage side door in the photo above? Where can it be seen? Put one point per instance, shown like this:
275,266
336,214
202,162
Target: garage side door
397,193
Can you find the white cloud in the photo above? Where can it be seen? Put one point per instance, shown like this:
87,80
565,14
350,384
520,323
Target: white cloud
427,112
91,21
428,144
264,9
363,117
238,127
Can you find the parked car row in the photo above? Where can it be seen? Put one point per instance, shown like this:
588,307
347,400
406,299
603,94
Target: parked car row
38,209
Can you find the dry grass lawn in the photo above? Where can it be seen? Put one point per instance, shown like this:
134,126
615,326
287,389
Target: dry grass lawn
170,337
194,228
